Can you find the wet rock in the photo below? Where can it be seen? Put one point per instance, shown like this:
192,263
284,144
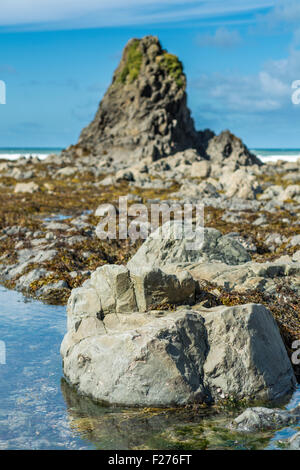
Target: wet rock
24,281
261,419
139,359
246,353
51,287
294,442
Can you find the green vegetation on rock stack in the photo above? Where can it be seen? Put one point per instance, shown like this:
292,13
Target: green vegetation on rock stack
174,67
133,64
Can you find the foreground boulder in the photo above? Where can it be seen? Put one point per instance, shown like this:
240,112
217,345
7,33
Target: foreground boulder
164,358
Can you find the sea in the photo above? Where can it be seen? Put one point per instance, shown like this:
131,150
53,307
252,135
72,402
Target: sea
266,155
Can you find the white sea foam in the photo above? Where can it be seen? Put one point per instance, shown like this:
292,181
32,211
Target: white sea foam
276,157
15,156
12,156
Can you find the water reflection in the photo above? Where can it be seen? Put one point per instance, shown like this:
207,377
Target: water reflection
127,428
114,428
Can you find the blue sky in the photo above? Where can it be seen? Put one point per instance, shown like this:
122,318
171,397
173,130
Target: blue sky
240,56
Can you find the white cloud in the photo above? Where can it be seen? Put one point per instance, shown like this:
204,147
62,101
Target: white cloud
284,13
223,37
91,13
238,94
273,86
287,10
267,91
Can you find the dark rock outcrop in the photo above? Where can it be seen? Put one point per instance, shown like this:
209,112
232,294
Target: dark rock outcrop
144,110
227,149
144,113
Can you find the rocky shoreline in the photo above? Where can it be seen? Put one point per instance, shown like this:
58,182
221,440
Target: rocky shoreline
49,244
143,145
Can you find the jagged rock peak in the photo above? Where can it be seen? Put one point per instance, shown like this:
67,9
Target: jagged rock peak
144,111
144,115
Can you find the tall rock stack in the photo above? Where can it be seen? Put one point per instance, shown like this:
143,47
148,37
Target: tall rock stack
144,111
144,114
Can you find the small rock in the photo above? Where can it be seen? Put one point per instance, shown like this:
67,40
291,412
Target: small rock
261,419
26,188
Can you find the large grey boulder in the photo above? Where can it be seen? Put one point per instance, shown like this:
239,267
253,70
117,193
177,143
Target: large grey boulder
164,358
140,359
166,247
262,419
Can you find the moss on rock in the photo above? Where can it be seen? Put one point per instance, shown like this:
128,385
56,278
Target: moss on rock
131,68
174,67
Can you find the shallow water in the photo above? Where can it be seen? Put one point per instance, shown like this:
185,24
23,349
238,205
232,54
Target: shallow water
33,413
40,411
